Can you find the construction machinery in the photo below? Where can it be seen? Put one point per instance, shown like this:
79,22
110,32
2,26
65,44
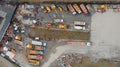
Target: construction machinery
62,26
18,37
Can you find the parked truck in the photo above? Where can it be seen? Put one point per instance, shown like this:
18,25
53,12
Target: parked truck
35,47
34,62
35,57
80,25
81,43
38,43
35,52
71,9
77,8
82,6
18,42
90,9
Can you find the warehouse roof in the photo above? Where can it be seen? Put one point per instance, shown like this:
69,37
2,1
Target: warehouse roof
6,12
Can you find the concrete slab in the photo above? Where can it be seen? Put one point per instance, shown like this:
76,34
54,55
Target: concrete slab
105,29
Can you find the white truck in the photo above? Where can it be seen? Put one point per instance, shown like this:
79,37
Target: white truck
80,25
39,43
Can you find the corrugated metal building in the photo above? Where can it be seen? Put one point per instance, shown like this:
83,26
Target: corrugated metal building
6,14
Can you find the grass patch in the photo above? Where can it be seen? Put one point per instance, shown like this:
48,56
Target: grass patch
58,34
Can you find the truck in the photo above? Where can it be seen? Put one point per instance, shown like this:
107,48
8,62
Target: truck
81,43
18,42
80,25
38,43
75,6
35,47
35,52
35,57
82,6
71,9
34,62
90,9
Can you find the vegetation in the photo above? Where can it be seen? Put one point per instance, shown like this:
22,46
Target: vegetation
58,34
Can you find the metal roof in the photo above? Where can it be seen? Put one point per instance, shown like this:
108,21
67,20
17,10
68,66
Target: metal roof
9,10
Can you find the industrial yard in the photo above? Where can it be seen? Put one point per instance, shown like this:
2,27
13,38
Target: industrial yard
62,35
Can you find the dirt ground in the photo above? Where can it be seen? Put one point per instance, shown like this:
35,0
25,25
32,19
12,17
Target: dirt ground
58,34
86,62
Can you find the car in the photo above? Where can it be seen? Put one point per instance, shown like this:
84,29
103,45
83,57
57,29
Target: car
53,7
48,9
48,25
37,38
88,43
44,44
60,8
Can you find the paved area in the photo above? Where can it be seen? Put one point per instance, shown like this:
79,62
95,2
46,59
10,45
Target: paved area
68,18
105,33
104,36
4,61
9,10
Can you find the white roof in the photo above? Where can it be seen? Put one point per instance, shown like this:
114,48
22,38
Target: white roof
79,23
10,54
36,42
78,27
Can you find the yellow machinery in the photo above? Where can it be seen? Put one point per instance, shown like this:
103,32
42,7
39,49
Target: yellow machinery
34,62
62,26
